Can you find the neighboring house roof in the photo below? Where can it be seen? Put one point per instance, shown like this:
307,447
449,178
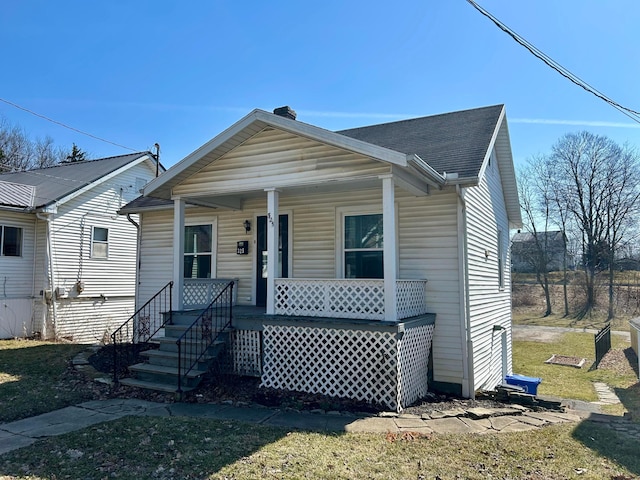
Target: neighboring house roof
16,195
54,184
454,142
525,237
446,149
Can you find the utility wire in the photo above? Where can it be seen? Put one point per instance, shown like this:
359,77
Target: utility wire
632,114
65,126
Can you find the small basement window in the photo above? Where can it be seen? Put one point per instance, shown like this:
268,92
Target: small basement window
100,242
11,241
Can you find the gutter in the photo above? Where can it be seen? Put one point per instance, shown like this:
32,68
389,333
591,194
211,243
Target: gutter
47,219
138,241
468,389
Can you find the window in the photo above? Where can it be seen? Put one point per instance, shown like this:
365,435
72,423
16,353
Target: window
11,241
197,251
100,243
501,261
363,244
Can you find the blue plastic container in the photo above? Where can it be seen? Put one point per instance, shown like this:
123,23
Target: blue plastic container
529,384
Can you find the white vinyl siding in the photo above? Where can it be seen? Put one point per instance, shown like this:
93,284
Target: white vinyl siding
17,278
489,301
278,159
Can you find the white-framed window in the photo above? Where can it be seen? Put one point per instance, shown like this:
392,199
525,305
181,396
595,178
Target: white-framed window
362,244
198,251
10,241
100,242
501,259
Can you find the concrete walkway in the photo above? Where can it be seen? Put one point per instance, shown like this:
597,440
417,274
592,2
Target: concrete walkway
24,432
540,333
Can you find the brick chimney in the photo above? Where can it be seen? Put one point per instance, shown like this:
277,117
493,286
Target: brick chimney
285,112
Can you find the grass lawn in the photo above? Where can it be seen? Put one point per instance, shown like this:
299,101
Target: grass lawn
569,382
174,447
594,321
33,379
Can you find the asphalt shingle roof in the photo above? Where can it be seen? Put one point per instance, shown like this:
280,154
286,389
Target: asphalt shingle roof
53,183
453,142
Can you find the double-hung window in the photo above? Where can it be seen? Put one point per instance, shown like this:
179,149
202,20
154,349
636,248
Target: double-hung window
363,246
10,241
100,243
198,247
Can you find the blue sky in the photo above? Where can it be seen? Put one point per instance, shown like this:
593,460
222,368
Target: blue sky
178,73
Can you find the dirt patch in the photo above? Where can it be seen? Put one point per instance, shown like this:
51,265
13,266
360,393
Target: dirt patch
536,335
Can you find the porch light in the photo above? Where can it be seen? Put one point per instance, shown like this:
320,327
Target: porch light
247,226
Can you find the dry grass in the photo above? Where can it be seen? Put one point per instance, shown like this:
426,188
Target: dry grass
186,448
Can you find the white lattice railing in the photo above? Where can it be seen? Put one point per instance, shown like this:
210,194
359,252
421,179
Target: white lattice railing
347,298
200,292
411,298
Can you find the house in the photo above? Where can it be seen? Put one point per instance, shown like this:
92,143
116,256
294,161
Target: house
392,248
67,259
524,256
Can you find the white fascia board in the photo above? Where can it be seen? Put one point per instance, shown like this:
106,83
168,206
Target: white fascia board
410,180
292,126
494,136
97,182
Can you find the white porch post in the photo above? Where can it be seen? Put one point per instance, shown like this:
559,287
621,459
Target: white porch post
178,253
272,247
389,249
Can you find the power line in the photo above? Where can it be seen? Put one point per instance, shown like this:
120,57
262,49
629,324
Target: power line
65,126
632,114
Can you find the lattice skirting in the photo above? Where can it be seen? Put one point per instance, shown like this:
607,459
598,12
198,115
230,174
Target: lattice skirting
355,364
413,360
246,353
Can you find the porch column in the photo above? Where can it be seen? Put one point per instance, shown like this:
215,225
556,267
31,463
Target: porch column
178,253
389,248
272,247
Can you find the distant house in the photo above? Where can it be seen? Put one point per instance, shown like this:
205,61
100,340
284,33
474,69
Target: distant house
67,259
524,252
345,247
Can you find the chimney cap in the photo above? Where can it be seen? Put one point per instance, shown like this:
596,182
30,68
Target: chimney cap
285,112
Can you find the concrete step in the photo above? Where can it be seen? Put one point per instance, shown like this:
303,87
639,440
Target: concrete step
176,331
164,370
156,386
168,344
170,359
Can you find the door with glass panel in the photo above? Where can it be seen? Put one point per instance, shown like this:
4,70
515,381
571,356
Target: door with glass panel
262,259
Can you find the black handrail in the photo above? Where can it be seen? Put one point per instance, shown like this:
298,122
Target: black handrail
132,336
203,332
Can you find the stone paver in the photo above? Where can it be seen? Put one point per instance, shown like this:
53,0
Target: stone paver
518,427
606,396
499,423
409,422
372,425
545,416
453,425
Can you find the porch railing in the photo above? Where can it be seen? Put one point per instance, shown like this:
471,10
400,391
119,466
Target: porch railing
200,292
133,336
347,298
199,337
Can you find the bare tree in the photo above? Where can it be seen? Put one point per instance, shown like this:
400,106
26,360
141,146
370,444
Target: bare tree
598,182
535,202
18,152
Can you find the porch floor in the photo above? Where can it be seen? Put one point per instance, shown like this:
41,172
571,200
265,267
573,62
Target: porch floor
249,317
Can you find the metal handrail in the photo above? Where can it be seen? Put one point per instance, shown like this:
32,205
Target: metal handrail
203,332
139,328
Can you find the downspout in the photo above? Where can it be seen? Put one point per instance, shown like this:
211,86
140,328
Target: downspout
468,389
47,219
138,241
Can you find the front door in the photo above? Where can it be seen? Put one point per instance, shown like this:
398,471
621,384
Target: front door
261,256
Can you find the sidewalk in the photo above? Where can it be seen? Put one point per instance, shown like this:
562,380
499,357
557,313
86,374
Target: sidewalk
22,433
